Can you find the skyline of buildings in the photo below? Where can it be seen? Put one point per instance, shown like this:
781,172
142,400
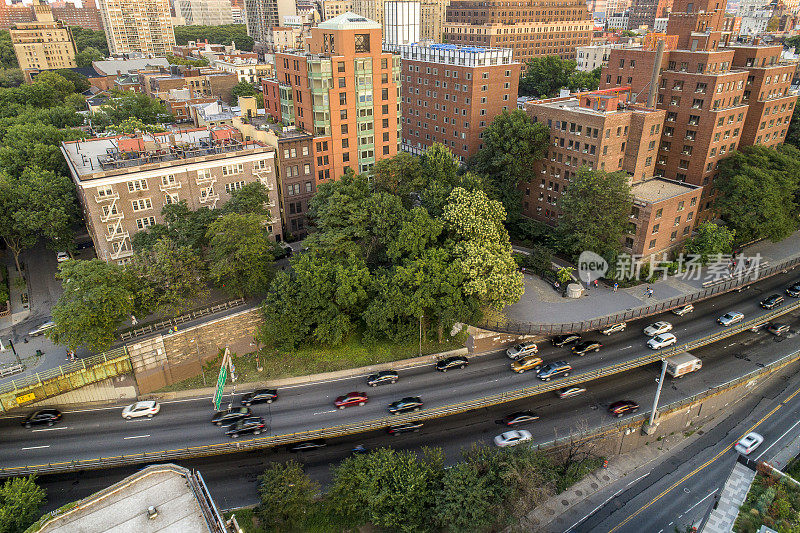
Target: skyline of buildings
144,26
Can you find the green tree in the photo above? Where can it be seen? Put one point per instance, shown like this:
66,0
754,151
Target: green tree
183,226
544,76
286,494
793,133
87,56
582,81
240,254
138,105
133,125
85,38
596,209
79,81
564,275
177,60
241,89
35,144
222,34
75,101
169,277
757,192
20,501
252,198
710,240
10,77
512,144
469,501
793,42
97,297
8,59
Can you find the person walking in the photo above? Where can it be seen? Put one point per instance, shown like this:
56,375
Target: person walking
595,284
616,286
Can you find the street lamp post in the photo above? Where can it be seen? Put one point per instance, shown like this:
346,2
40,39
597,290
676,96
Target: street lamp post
650,427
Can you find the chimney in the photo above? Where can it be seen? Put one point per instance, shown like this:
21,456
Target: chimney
651,95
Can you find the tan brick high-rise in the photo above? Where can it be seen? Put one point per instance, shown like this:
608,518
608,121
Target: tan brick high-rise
44,44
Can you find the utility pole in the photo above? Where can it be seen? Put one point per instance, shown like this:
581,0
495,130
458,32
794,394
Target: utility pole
420,335
649,428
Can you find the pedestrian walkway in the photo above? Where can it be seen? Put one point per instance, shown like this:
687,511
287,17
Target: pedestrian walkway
542,305
732,497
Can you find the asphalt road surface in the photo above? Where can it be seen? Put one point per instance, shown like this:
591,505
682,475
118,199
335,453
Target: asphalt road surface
232,478
93,433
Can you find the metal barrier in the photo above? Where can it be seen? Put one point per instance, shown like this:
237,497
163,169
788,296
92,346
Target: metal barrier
64,378
11,370
383,422
526,328
138,331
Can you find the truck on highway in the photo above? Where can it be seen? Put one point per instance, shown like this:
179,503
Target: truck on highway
683,363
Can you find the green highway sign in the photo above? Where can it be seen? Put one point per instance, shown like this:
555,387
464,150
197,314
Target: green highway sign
223,377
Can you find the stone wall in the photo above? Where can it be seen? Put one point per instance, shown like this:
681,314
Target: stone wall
107,391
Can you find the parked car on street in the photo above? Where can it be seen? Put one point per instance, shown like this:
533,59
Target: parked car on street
772,301
409,403
148,408
563,340
46,417
623,407
383,377
408,427
350,399
457,361
61,257
730,318
662,341
614,328
250,425
584,347
683,310
230,416
658,327
749,442
522,349
260,396
512,438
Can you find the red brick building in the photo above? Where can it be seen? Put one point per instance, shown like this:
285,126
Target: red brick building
452,93
87,16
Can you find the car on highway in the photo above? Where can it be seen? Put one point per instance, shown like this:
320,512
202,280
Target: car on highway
793,291
350,399
563,340
457,361
662,341
552,370
771,302
584,347
526,363
749,442
512,438
568,392
657,328
306,445
623,407
383,377
409,403
230,416
614,328
408,427
777,329
46,417
522,349
41,328
251,424
61,257
520,417
147,408
683,310
259,396
730,318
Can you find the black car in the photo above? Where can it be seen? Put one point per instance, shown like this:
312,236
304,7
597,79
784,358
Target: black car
771,302
230,416
251,424
409,403
46,417
794,290
456,361
409,427
382,377
563,340
584,347
519,417
307,445
553,370
260,396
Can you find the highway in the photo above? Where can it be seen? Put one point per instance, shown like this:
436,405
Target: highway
92,433
232,478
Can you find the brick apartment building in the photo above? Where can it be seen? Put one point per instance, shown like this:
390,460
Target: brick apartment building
123,182
345,92
43,44
529,27
602,131
452,93
87,16
203,82
645,12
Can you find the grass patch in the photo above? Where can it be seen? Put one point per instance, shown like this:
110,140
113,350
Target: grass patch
319,519
277,364
770,502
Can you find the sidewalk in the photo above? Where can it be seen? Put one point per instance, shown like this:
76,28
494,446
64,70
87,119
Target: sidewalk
542,305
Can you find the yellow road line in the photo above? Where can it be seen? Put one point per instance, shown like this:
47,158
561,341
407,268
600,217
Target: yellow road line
701,467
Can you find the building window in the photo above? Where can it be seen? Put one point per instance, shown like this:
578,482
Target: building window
362,43
137,185
342,98
656,228
235,186
146,222
142,204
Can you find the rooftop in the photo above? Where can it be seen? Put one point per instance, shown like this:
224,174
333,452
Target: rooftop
127,66
660,189
180,499
349,21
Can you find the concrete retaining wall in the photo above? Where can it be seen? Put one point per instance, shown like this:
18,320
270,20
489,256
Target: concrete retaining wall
107,391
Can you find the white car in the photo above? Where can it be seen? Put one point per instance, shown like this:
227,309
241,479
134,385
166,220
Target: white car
683,310
614,328
662,341
749,442
41,328
512,438
730,318
657,328
62,256
148,409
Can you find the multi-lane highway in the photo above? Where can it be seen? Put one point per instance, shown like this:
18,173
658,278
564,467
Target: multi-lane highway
88,434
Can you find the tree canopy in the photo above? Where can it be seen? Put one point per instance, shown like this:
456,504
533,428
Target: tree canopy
86,38
242,89
222,34
543,77
20,501
709,240
793,133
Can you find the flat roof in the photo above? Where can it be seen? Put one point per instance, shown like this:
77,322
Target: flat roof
660,189
123,506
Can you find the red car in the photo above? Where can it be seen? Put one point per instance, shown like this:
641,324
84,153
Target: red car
351,398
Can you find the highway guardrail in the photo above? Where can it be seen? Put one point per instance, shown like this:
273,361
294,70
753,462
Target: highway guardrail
526,328
383,422
144,329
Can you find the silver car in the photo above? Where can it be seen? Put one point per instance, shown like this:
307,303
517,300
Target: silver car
41,328
730,318
522,349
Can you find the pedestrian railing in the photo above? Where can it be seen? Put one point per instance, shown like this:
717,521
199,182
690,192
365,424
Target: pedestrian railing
527,328
427,414
11,370
144,329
